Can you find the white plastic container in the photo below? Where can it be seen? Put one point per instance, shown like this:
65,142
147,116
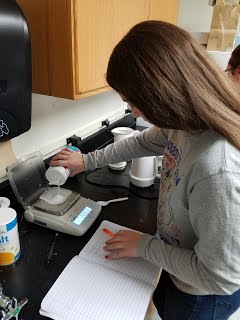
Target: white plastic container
9,237
58,175
144,171
119,134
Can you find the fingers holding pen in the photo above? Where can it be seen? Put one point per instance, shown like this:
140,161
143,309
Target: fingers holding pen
123,244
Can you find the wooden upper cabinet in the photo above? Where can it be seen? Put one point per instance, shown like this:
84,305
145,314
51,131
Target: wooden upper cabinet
98,28
165,10
72,39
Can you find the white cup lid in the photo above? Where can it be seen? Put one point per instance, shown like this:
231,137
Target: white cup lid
122,130
4,202
7,215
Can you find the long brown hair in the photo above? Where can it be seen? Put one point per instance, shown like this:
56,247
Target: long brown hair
160,69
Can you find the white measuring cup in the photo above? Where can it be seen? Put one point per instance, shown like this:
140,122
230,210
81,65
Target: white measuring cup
119,134
144,170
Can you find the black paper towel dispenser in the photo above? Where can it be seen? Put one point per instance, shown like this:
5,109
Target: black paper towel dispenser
15,71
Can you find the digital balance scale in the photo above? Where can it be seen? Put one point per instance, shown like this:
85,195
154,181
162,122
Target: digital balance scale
27,179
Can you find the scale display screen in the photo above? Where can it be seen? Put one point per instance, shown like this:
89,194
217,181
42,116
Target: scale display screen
82,215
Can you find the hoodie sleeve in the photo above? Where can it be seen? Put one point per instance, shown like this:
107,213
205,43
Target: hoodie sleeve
150,142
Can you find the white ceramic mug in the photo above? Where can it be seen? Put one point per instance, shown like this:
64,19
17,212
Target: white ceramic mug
144,170
119,134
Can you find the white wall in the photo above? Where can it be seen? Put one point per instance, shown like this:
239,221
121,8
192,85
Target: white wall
55,119
195,15
221,58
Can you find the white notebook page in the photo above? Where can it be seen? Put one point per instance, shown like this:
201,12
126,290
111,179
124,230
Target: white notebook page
134,267
90,288
86,291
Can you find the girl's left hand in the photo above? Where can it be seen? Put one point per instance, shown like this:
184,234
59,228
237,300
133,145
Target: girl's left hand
123,244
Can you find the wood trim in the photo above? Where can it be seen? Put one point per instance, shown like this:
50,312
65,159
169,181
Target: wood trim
61,43
37,20
91,93
77,95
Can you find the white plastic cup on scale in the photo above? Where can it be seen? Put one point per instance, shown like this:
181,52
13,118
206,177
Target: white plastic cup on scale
119,134
58,175
144,171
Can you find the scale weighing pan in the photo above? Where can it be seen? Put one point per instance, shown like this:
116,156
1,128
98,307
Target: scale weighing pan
27,179
59,209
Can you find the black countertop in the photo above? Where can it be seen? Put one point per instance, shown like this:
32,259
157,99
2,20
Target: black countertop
31,276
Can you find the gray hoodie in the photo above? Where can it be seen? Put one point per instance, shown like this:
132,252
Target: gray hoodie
198,221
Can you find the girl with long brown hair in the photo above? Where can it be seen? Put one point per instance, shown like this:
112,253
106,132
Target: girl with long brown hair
169,80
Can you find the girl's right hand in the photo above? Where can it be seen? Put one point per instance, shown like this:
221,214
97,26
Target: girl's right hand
69,159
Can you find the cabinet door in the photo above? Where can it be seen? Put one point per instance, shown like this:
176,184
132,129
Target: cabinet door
72,40
36,15
50,26
165,10
99,25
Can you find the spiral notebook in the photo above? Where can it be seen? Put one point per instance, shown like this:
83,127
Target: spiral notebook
93,288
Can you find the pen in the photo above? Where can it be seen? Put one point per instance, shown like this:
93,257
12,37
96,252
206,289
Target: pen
108,232
50,254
